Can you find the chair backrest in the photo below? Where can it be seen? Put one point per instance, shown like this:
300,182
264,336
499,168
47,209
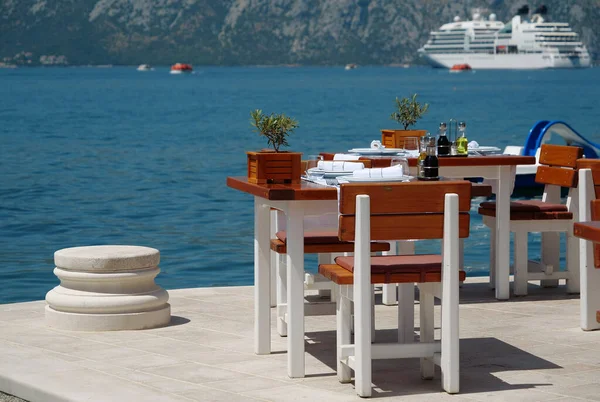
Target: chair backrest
557,165
402,211
594,166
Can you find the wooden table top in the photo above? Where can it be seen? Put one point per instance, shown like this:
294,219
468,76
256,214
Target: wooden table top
284,192
472,160
587,230
309,191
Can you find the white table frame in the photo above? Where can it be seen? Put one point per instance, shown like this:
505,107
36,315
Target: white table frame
296,209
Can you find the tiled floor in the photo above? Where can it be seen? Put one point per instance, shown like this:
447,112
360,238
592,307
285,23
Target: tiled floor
526,349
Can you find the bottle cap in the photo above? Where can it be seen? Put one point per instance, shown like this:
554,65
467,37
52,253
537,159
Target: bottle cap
462,124
443,125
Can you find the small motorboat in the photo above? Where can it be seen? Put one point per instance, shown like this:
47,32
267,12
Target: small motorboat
145,67
547,132
458,68
180,68
350,66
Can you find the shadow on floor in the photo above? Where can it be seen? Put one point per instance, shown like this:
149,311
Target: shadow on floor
480,359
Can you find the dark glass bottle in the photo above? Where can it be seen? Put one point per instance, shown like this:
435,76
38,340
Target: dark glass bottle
430,163
443,143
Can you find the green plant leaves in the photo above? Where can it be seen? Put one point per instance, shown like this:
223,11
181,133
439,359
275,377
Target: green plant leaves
409,111
276,127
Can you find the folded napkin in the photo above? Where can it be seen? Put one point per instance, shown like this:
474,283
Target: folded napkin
473,145
345,157
384,173
339,166
376,144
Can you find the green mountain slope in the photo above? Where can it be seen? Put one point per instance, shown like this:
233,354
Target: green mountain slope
233,32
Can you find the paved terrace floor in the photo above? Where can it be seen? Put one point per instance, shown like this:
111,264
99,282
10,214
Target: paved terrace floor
526,349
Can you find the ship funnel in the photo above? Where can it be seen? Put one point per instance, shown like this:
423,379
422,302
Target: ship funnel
524,10
492,17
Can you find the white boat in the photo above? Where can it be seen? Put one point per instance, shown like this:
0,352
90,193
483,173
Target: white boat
350,66
522,43
145,67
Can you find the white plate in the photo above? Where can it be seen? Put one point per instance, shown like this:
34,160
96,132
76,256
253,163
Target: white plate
484,149
371,151
352,179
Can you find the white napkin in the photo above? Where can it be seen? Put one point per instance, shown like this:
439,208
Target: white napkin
473,145
339,166
384,173
376,144
345,157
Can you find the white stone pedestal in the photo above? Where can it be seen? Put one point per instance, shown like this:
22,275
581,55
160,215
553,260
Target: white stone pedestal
107,288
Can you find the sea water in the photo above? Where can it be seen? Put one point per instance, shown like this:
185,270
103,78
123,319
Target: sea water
117,156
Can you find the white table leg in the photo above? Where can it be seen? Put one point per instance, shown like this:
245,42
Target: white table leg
262,278
295,289
503,232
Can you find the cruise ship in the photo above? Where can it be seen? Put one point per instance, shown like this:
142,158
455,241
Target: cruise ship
523,43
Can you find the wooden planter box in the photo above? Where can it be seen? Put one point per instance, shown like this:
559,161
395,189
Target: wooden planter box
274,167
395,138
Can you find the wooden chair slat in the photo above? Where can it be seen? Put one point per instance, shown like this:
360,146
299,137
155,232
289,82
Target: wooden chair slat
594,166
560,155
414,197
404,226
281,248
556,175
342,276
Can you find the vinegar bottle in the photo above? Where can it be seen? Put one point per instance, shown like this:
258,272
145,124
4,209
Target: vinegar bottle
443,143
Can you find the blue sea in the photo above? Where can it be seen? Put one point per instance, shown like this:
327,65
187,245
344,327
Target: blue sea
116,156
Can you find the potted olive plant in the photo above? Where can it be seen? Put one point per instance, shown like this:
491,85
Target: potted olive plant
408,112
273,165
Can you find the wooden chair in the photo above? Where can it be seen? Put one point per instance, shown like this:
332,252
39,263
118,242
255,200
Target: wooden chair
549,216
400,211
589,201
326,245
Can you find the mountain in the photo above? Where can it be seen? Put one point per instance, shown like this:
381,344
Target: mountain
247,32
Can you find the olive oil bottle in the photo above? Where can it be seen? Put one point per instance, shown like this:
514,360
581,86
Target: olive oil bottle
462,143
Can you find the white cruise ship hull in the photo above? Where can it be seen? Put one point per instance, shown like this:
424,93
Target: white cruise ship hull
482,61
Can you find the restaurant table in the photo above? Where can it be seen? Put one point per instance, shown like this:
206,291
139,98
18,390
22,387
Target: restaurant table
297,200
500,169
589,274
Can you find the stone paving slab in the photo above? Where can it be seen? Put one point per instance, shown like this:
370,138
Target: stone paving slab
526,349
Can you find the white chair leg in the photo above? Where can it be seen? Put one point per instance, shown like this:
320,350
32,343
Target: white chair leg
449,361
550,256
521,263
362,298
406,312
493,255
343,317
574,281
372,313
388,290
324,258
426,325
281,294
274,257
